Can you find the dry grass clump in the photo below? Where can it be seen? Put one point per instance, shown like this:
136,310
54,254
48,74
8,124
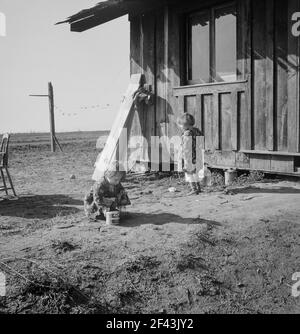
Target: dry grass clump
63,246
47,295
250,178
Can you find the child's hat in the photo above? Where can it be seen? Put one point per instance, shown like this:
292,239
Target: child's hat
186,119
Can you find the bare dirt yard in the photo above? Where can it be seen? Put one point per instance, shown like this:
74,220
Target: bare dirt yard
228,250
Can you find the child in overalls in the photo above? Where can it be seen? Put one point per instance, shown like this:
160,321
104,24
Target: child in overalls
107,194
191,165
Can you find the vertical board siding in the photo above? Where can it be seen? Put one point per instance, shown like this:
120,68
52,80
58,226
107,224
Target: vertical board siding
260,162
148,56
244,119
190,105
263,75
142,49
200,116
282,164
244,53
235,110
281,56
161,106
135,46
287,75
208,129
244,40
293,82
173,28
217,110
226,121
215,114
270,75
262,114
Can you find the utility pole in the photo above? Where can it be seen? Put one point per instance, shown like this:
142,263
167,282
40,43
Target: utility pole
50,96
51,116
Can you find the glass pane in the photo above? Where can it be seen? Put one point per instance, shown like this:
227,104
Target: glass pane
226,44
199,48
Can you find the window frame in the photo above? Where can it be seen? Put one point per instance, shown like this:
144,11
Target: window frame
212,42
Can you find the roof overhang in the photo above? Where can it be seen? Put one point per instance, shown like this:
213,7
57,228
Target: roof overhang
109,10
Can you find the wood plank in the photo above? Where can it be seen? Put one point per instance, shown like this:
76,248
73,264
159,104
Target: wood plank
212,56
161,94
193,107
225,108
190,105
293,82
259,73
155,156
263,73
108,11
215,114
181,105
282,164
260,162
247,102
126,109
244,53
242,160
281,57
270,75
135,43
244,40
96,20
244,116
279,153
208,131
223,87
173,29
148,61
200,143
220,158
234,121
200,115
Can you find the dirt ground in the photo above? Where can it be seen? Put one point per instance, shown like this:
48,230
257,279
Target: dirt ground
228,250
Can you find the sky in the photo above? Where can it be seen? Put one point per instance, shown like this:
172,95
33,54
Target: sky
89,70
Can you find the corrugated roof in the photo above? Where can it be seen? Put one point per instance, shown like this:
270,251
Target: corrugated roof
109,10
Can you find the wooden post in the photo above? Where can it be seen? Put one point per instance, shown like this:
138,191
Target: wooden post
51,117
53,139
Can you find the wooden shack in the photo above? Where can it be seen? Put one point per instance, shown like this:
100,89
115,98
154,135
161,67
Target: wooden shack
234,65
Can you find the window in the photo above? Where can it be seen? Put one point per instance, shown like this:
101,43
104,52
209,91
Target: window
212,45
199,27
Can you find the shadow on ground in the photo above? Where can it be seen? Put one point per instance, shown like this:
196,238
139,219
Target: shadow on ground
40,207
138,219
257,190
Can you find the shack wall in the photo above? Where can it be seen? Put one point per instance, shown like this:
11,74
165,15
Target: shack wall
250,124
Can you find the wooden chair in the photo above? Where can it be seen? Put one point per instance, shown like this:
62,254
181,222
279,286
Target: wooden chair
4,165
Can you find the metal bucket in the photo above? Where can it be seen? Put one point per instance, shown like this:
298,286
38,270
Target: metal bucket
113,218
230,176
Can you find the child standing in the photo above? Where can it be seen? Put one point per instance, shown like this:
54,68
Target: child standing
191,166
107,194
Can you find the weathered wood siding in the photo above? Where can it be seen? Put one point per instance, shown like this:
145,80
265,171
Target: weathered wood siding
216,108
259,113
143,60
276,76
